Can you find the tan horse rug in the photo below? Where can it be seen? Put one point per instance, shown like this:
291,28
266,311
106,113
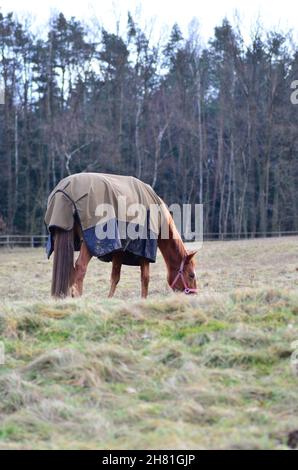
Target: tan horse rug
115,213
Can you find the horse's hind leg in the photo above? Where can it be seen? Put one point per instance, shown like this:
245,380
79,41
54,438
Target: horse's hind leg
116,271
80,271
144,277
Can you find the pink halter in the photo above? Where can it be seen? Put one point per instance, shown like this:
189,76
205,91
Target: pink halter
187,290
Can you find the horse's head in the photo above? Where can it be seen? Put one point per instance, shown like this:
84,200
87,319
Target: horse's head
183,277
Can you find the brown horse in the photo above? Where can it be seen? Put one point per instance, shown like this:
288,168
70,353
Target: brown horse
68,278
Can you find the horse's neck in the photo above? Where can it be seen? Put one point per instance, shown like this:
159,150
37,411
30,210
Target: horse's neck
172,248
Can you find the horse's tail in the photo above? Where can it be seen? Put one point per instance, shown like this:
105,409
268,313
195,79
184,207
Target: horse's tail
63,262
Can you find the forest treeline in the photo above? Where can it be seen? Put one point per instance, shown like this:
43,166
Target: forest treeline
209,124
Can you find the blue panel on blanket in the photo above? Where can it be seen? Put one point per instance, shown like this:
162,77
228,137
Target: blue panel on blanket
103,247
49,245
100,247
143,246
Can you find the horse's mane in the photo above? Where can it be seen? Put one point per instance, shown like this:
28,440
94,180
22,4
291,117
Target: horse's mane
175,235
173,247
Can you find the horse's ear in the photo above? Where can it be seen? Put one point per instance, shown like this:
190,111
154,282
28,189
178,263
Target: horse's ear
190,255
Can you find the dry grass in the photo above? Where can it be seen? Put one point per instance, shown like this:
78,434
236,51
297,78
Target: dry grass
211,371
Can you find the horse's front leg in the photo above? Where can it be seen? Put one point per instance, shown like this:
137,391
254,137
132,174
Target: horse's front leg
116,271
144,277
80,271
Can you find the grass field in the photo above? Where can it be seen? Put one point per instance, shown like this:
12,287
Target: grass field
206,371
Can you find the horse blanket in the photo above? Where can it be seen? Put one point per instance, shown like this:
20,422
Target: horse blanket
116,213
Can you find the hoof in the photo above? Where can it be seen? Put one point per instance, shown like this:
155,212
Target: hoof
74,292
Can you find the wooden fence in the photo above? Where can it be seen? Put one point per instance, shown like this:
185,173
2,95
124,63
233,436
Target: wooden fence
35,241
23,240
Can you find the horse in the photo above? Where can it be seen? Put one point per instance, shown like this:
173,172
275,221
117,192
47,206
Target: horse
68,277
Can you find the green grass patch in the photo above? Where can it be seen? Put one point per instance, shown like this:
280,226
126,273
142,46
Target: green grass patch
174,371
